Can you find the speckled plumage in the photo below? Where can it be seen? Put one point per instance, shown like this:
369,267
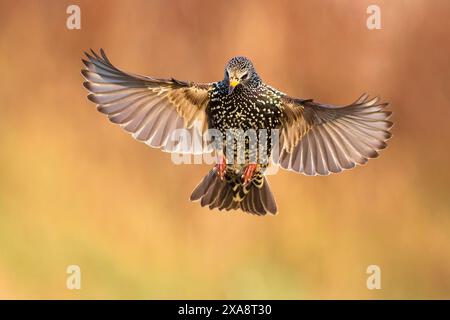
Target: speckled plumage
256,108
251,105
315,138
245,108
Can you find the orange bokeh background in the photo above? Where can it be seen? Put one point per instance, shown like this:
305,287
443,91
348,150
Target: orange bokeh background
75,189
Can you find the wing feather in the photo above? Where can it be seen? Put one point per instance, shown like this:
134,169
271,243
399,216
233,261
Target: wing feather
319,139
148,108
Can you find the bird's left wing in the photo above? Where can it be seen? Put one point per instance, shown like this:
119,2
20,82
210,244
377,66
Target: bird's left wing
318,139
150,109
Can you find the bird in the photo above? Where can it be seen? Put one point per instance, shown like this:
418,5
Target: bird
302,135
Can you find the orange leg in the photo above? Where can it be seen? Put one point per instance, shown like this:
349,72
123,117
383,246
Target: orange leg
248,172
221,167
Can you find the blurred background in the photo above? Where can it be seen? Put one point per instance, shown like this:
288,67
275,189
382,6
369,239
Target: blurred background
77,190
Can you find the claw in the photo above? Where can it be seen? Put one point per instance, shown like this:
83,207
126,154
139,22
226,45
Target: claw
221,167
248,173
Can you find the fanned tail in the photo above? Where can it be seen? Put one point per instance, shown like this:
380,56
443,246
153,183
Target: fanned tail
231,194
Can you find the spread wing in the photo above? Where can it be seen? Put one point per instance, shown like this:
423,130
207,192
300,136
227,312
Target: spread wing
150,109
319,139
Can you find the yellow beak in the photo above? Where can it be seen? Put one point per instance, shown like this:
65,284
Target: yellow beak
234,83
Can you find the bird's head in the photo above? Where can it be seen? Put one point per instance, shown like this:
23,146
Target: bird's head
239,71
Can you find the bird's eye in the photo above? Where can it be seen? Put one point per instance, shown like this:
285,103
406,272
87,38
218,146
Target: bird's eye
244,76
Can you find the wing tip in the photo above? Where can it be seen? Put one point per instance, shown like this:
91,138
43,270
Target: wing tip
87,85
92,97
91,54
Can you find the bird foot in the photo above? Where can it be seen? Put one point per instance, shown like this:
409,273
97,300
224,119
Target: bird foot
248,173
221,167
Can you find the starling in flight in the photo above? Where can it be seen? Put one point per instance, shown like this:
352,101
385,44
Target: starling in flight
313,139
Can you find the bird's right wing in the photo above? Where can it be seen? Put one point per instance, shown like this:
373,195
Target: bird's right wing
318,139
150,109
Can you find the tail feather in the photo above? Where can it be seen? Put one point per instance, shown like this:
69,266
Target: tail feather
224,199
257,201
217,193
219,200
247,202
211,194
267,198
203,186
